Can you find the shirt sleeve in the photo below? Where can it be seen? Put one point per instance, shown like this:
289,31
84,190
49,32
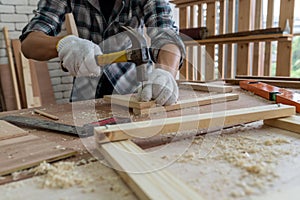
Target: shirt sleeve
48,18
161,27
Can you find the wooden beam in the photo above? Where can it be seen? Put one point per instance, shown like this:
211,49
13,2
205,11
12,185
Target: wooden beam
12,67
230,47
291,123
144,129
200,101
146,177
129,101
206,87
268,46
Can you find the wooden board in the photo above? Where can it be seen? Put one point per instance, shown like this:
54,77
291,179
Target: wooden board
206,87
187,103
144,129
137,171
291,123
129,101
27,151
8,130
7,88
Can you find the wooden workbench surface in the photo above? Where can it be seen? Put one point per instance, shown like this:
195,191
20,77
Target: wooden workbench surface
240,162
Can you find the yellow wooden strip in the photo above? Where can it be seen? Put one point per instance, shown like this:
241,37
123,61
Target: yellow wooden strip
291,123
143,174
144,129
208,87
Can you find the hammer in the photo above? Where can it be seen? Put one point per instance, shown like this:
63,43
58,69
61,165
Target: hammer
138,54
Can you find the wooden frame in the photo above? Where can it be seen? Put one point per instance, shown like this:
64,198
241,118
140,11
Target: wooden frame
144,129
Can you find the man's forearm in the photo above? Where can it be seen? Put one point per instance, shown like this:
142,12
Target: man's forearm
39,46
169,58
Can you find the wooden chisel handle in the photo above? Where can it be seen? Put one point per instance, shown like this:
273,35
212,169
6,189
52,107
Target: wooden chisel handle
115,57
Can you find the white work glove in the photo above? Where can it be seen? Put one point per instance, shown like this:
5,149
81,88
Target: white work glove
161,87
78,56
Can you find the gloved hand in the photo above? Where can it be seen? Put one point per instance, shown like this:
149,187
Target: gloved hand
161,87
78,56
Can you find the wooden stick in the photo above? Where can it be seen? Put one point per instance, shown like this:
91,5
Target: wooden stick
143,174
144,129
46,114
291,123
70,24
187,103
12,67
206,87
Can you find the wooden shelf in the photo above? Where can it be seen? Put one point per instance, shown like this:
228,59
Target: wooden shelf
242,39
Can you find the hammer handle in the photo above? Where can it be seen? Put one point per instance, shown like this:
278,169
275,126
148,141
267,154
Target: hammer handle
112,58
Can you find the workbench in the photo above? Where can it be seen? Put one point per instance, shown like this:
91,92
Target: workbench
247,161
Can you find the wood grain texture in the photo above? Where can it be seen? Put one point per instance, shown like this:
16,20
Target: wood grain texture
220,119
28,151
137,171
291,123
8,130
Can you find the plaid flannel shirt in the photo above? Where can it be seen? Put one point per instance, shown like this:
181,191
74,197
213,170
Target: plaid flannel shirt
92,25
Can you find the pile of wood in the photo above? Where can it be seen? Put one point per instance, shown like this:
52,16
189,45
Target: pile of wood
24,83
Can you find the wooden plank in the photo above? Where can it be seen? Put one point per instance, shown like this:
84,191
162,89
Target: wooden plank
7,88
137,169
190,54
16,45
230,47
243,49
284,48
12,68
128,101
244,39
144,129
268,46
291,123
183,22
187,103
70,24
207,87
8,130
257,48
30,99
199,48
278,83
210,48
221,47
28,151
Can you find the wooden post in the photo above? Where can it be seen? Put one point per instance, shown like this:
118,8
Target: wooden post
199,49
284,49
268,47
243,53
221,47
210,48
257,49
183,22
230,47
191,63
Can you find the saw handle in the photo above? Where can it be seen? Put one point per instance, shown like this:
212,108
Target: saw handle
110,58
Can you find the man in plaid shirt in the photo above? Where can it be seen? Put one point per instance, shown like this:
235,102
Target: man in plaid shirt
98,23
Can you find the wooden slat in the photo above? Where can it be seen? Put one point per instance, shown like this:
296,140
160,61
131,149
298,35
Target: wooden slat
278,83
28,84
291,123
183,22
12,68
257,48
268,46
230,47
71,27
284,49
187,103
221,47
8,130
199,48
27,151
190,54
207,87
219,119
210,48
243,52
7,88
245,39
138,170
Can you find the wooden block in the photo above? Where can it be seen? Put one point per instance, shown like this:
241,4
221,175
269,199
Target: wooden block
144,129
207,87
8,130
28,151
128,101
291,123
211,99
137,169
